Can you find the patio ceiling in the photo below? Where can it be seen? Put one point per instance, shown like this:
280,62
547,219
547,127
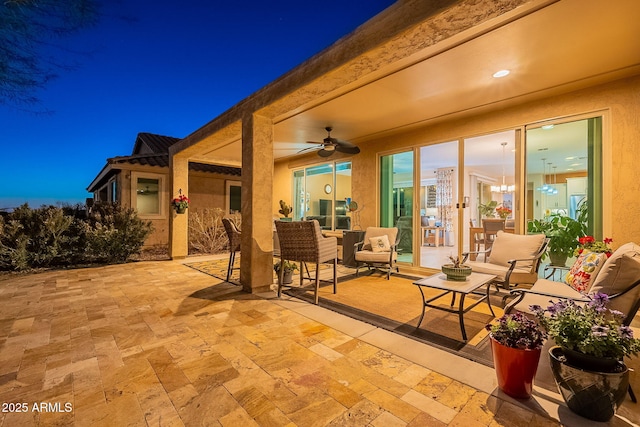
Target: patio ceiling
567,45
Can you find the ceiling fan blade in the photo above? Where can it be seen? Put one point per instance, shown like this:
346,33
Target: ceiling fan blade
325,153
310,148
348,149
315,142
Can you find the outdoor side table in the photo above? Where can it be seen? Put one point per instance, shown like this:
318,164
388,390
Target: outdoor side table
464,288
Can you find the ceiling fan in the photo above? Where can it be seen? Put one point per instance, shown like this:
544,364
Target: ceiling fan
331,145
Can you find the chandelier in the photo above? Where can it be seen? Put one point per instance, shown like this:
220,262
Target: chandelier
504,188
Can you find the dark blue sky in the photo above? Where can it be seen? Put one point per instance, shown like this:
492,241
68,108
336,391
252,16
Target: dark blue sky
170,70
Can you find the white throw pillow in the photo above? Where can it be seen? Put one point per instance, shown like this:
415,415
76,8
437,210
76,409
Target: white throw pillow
380,243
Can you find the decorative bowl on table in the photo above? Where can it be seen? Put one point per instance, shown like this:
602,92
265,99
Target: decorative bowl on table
456,273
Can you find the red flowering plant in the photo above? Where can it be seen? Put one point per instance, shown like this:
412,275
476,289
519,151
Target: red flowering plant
180,202
589,243
503,212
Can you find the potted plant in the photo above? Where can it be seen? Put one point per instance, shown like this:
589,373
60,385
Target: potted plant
503,212
516,344
180,203
589,243
289,268
563,233
456,270
285,210
488,210
587,361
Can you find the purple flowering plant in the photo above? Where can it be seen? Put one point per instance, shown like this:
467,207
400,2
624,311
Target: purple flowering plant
591,329
517,331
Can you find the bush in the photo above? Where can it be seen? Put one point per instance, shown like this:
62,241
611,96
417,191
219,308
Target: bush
60,236
38,238
115,233
206,232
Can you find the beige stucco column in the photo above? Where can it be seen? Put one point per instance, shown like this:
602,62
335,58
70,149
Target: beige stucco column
256,247
178,223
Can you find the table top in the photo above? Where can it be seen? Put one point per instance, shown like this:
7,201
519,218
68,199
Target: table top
439,281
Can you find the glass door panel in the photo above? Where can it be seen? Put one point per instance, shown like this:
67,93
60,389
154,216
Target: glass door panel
396,199
438,198
489,185
564,171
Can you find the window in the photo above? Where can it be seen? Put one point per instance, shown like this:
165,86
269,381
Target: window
320,193
147,194
233,201
113,190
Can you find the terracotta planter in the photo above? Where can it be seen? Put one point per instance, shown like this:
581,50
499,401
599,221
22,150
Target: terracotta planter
590,394
515,369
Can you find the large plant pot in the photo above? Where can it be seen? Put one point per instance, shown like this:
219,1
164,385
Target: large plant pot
558,259
458,274
515,369
590,394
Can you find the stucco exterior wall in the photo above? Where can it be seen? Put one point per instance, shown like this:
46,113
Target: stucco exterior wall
206,190
618,102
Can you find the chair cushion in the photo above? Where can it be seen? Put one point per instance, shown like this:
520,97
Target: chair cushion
584,271
390,232
378,257
507,246
617,274
518,275
559,289
380,243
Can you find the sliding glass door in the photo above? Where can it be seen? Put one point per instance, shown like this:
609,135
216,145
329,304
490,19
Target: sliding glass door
564,171
438,197
397,199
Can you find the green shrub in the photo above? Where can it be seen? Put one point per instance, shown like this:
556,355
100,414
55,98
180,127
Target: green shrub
60,236
115,233
38,238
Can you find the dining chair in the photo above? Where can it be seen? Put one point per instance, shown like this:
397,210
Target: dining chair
303,241
490,227
234,244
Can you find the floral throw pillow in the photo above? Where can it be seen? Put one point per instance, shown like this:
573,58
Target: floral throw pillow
584,270
380,243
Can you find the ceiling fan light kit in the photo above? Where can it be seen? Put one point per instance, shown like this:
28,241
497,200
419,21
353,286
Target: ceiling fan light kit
330,145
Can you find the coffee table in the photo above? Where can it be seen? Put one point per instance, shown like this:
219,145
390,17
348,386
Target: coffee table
464,288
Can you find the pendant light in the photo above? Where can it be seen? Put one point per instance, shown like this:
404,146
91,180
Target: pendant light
504,188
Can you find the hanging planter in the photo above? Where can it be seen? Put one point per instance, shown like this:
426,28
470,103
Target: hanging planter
180,203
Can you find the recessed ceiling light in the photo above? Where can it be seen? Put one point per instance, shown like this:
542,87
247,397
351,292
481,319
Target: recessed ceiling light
501,73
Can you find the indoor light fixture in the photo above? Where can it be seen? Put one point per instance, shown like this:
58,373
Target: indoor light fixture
501,73
504,188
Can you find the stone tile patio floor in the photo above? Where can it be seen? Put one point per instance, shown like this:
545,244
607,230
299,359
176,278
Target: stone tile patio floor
158,343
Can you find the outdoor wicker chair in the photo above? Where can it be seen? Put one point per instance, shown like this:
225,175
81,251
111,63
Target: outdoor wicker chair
303,241
234,244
